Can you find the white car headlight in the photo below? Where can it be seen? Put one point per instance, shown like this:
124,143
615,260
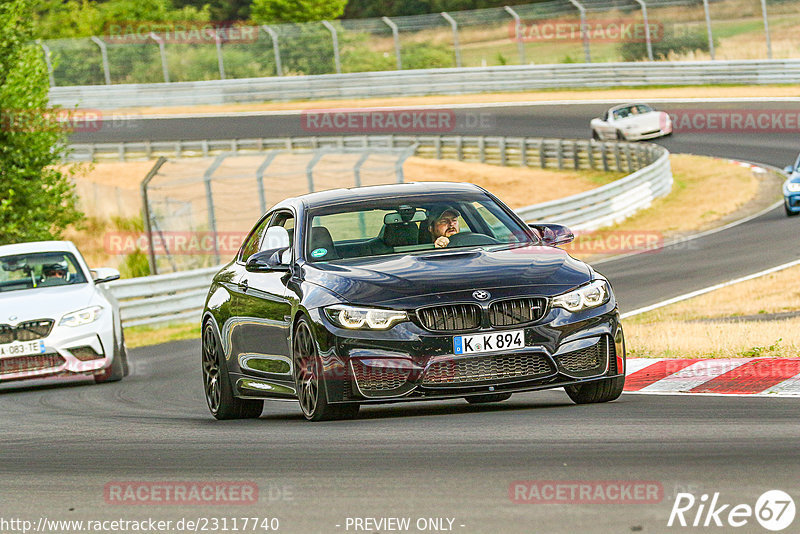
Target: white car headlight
793,187
81,317
354,318
589,296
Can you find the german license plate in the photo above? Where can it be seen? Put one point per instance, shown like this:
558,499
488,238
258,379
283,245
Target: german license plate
493,342
22,348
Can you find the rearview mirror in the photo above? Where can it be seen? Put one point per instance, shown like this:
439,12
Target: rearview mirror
553,234
267,260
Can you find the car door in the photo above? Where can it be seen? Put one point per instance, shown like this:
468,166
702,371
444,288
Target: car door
261,313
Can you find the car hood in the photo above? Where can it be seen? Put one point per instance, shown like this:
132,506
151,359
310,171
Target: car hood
44,302
409,279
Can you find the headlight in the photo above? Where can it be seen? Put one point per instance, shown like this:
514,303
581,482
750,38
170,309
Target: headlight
583,298
364,318
793,187
81,317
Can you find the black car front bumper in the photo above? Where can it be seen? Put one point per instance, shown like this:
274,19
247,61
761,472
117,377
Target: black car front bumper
408,362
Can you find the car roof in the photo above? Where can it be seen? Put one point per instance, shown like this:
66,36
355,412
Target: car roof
39,246
376,192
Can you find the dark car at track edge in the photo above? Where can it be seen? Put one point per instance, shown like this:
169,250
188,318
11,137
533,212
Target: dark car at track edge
341,298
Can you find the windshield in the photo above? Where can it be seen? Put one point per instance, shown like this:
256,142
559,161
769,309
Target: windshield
407,225
41,269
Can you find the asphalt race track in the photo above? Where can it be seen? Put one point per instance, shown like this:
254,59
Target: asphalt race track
63,445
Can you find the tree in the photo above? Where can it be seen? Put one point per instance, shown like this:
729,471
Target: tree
37,201
277,11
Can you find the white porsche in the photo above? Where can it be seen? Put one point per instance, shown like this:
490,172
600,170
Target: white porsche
56,319
631,122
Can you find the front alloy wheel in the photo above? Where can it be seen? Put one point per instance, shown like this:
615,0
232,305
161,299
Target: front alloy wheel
217,385
310,381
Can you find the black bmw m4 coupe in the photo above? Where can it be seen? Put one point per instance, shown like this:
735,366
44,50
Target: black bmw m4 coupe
405,292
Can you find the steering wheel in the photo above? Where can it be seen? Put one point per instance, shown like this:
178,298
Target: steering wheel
466,239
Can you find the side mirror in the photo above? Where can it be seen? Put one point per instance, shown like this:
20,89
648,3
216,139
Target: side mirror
553,234
788,169
267,260
104,274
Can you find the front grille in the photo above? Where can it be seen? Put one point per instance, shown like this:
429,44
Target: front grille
460,371
453,317
586,361
378,381
517,311
27,331
37,362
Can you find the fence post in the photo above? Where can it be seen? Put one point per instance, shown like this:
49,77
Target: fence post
275,48
584,30
766,28
221,64
523,152
262,200
502,147
456,46
310,168
646,30
396,37
335,39
517,34
49,63
162,51
104,54
708,26
212,219
151,253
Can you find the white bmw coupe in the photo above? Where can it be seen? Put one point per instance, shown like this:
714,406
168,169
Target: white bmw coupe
631,122
56,318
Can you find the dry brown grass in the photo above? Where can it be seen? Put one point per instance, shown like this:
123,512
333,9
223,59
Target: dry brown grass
694,204
680,339
528,96
675,330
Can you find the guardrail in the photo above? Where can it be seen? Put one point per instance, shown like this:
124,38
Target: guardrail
162,298
428,82
180,296
514,151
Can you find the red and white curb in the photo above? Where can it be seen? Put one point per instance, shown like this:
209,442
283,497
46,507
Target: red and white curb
728,376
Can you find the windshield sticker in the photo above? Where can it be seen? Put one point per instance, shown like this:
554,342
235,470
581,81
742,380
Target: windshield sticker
318,252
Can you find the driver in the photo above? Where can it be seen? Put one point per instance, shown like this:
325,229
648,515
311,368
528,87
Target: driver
443,226
54,273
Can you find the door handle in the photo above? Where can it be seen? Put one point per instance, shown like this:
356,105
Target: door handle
243,285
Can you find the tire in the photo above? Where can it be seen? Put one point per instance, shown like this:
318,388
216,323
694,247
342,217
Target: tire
310,381
217,385
790,213
597,391
595,135
483,399
118,368
621,136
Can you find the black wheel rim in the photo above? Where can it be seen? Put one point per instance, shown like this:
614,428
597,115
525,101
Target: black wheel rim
211,377
306,372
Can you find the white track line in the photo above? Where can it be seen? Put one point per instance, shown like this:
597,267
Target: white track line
709,289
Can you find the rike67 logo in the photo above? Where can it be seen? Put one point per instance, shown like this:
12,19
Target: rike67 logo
774,510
